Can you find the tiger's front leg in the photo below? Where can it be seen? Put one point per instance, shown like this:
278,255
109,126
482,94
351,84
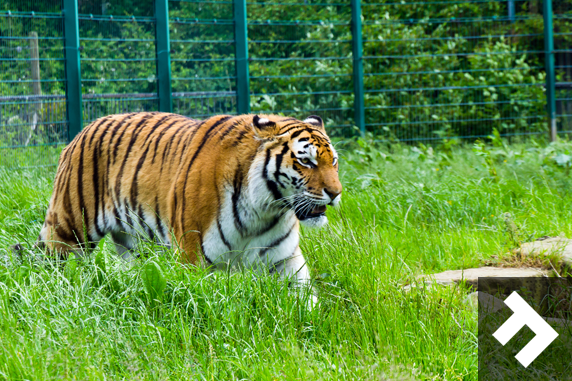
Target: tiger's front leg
296,269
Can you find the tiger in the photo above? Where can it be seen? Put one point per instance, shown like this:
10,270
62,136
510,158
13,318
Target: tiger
227,189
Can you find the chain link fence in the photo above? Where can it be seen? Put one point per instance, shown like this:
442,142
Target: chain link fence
407,70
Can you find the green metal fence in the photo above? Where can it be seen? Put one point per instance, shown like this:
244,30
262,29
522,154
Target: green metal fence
408,70
562,53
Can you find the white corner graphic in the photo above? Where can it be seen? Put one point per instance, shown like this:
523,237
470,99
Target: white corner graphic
525,315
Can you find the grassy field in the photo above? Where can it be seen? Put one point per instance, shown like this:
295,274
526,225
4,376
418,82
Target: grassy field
405,211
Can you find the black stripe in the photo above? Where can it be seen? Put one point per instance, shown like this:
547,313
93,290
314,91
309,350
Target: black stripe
167,148
204,252
96,193
231,126
68,158
176,147
134,136
188,141
119,124
120,138
173,215
138,130
109,154
218,213
240,137
61,176
105,179
198,150
68,208
66,235
237,188
272,187
128,208
222,234
206,136
150,135
324,136
269,227
93,128
309,130
82,208
175,199
276,242
158,218
279,158
274,266
99,151
277,143
161,134
117,216
288,125
144,223
134,184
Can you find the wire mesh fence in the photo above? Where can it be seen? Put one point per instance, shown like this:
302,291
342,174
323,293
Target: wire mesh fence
117,65
303,67
33,122
563,64
407,70
458,71
202,57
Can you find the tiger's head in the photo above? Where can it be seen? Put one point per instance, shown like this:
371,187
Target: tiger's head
299,166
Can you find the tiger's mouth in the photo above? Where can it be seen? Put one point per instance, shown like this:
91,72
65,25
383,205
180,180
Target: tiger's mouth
306,213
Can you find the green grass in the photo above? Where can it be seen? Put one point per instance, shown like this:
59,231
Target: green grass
404,212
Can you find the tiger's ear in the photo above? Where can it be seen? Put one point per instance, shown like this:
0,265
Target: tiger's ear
264,128
315,121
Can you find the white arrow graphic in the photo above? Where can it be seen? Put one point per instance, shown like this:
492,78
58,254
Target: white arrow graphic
523,315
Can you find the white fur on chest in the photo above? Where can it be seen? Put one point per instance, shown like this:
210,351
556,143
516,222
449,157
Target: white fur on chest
242,236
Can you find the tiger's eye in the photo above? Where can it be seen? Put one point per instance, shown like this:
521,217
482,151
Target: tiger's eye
305,160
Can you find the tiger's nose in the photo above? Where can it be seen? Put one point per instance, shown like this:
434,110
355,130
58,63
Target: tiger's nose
333,193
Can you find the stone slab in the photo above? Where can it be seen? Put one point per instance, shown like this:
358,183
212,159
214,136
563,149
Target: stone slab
471,276
547,246
488,302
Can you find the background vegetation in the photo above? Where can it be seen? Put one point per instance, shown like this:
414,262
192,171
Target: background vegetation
431,69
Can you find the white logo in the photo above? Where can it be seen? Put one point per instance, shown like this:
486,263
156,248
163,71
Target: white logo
525,315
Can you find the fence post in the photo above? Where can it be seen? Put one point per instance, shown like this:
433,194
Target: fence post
549,66
35,64
241,57
357,53
511,10
73,69
163,52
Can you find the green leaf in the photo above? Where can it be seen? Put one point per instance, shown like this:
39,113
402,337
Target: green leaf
23,273
154,280
70,271
100,267
562,159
